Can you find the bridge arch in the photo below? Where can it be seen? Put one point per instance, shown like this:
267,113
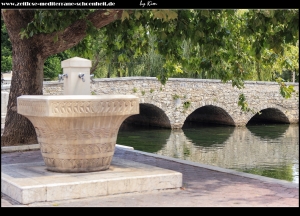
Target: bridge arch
210,112
270,113
150,115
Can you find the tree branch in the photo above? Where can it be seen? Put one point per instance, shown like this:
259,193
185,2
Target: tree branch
73,34
15,20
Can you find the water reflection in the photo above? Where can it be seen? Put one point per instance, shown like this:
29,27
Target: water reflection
207,134
143,138
274,153
268,131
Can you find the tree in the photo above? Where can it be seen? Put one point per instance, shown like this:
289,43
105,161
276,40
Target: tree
37,34
29,55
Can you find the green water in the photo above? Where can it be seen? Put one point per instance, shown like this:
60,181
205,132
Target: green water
268,150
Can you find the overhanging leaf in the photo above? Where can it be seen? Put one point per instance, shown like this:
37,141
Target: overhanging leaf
125,15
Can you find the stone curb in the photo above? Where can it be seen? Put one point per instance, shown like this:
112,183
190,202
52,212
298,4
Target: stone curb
123,146
6,149
20,148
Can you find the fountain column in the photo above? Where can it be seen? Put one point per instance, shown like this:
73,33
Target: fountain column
76,76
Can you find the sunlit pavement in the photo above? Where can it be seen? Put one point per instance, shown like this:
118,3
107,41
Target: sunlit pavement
203,186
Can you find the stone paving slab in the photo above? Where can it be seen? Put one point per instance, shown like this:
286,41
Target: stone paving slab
32,182
202,186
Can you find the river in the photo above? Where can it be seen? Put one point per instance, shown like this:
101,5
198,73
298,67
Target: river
270,150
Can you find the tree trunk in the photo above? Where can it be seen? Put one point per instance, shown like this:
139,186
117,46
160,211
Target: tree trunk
109,66
27,79
95,63
258,71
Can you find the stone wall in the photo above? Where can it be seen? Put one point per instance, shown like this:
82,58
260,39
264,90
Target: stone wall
164,105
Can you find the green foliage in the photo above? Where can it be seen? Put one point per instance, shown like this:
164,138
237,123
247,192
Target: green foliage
151,90
143,92
186,105
176,96
6,50
125,15
165,15
284,172
49,21
243,103
285,91
5,42
84,48
52,65
134,90
6,62
222,44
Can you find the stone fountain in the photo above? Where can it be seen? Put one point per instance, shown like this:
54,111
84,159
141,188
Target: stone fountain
77,131
77,135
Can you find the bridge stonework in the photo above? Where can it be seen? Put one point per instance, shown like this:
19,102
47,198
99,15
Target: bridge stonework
210,100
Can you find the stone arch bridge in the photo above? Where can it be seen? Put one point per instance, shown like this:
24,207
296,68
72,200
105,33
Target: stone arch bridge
196,100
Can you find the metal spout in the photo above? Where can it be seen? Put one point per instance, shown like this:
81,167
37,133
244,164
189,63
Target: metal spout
61,76
81,76
92,78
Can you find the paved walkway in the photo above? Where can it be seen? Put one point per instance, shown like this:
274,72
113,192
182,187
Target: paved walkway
203,186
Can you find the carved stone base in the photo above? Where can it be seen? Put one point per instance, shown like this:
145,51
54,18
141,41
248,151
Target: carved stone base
77,133
77,165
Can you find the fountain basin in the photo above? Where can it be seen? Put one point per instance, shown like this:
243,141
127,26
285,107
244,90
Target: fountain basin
77,133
